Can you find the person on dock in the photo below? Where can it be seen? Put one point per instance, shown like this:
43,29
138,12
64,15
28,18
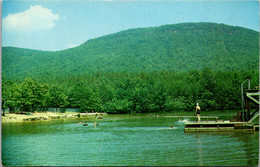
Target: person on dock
198,111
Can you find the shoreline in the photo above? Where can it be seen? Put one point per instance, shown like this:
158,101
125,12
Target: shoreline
47,116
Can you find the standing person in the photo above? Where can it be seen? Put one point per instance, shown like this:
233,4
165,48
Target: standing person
198,111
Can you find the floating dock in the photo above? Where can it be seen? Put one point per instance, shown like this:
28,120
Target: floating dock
219,126
202,117
242,121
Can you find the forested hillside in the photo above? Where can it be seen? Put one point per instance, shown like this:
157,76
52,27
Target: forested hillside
159,69
179,47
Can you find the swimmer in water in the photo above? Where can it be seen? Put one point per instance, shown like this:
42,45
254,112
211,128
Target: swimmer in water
95,124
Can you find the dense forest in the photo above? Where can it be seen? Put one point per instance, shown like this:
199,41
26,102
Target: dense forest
125,92
178,47
158,69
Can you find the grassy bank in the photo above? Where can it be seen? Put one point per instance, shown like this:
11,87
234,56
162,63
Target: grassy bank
47,116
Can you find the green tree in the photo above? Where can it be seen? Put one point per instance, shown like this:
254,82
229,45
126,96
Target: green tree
56,97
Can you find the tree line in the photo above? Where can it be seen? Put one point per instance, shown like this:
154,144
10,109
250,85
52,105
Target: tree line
130,92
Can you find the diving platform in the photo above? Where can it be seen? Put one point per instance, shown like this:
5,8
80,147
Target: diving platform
245,120
222,125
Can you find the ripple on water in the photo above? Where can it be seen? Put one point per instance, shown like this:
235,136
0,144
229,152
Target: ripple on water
125,141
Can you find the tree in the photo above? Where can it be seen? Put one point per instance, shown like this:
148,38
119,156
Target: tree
55,97
82,97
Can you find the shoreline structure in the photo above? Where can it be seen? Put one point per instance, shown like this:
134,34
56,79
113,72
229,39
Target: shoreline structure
48,116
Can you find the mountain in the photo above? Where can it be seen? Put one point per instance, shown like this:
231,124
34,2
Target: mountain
178,47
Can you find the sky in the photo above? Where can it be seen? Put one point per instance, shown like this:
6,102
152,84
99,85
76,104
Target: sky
60,24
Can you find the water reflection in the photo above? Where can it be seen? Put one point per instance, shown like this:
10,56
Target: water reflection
200,149
249,147
232,146
126,141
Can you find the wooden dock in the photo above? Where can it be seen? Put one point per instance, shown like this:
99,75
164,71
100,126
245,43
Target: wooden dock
219,126
201,117
242,121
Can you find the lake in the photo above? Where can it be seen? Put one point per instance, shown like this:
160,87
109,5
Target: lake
128,140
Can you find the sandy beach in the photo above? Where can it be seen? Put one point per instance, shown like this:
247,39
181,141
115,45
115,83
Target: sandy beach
47,116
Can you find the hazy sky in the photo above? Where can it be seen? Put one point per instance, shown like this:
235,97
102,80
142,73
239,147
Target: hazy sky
58,25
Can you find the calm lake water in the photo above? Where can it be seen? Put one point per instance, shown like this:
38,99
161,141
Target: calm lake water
135,140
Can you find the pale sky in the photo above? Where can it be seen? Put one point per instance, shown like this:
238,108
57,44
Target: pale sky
57,25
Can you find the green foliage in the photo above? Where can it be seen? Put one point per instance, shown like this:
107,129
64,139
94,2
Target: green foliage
55,97
144,92
179,47
158,69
